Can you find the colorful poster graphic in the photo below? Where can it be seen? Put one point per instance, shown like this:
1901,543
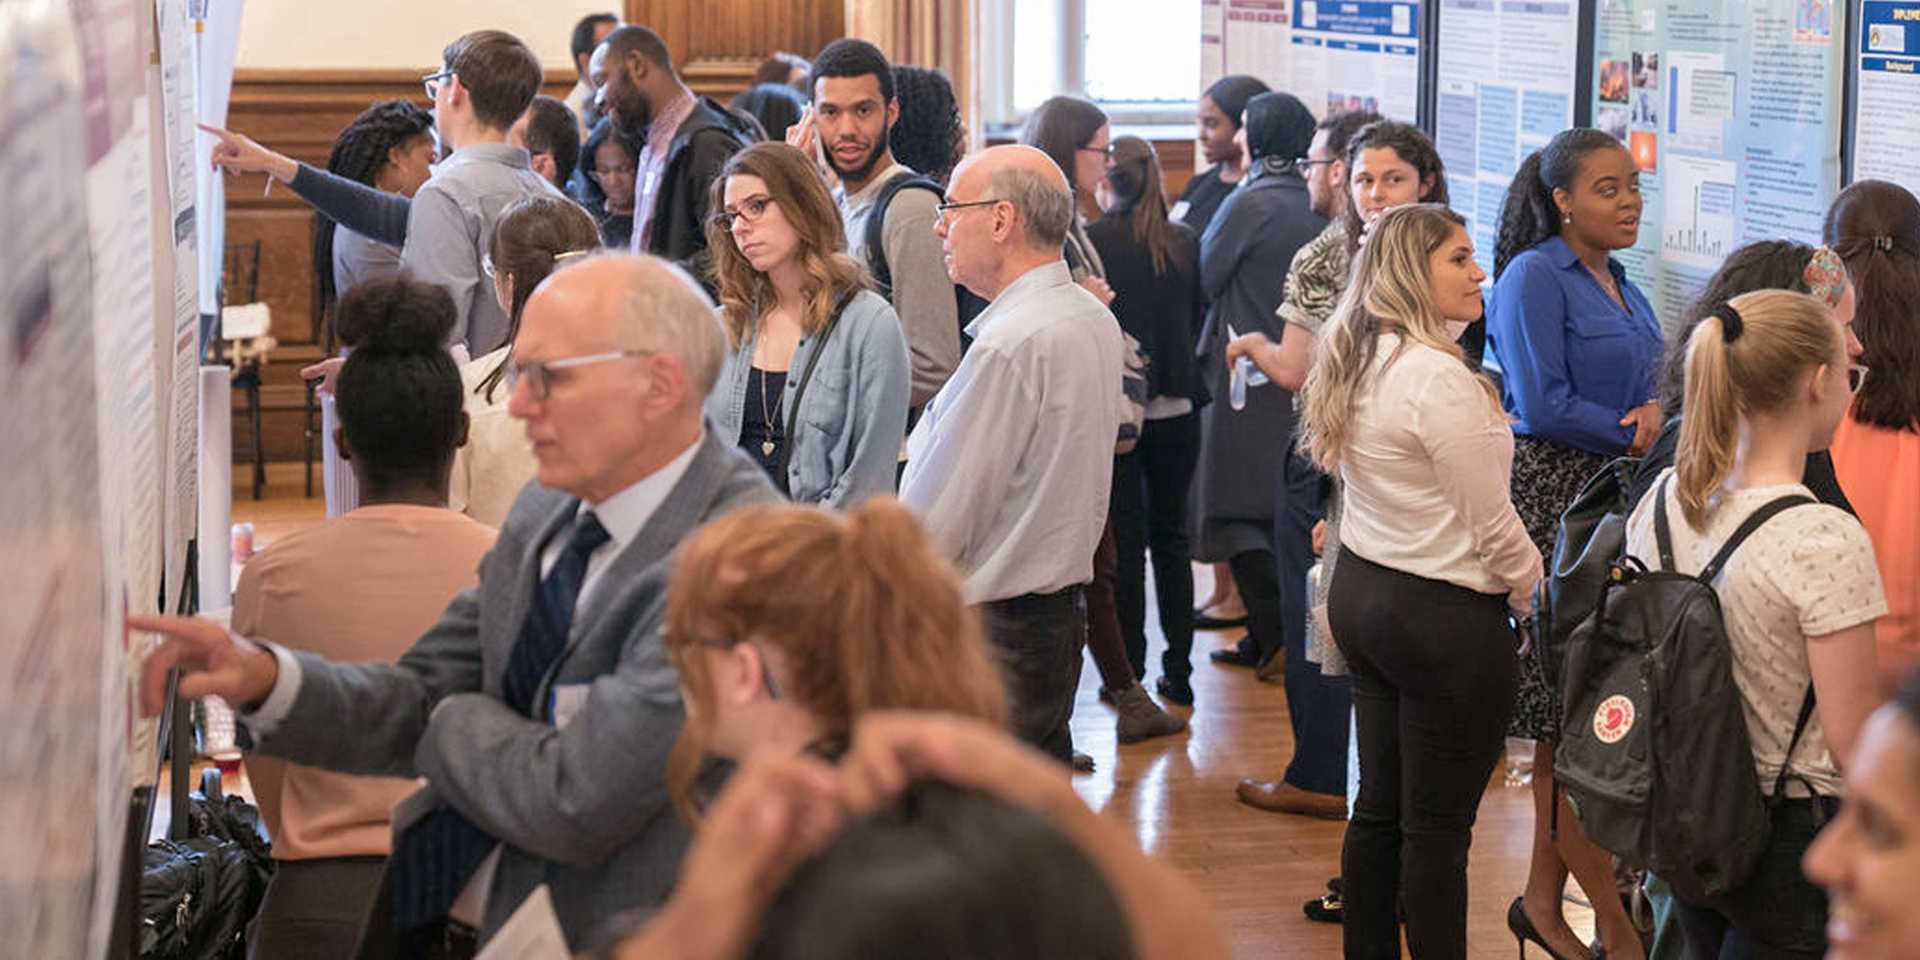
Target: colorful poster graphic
1357,56
1731,109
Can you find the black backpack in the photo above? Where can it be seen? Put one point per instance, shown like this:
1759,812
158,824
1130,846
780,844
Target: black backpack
970,305
1653,750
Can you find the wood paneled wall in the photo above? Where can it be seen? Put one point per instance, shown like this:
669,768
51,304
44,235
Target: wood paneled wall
717,43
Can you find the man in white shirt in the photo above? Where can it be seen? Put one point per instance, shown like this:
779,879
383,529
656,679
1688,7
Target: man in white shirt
1010,466
542,707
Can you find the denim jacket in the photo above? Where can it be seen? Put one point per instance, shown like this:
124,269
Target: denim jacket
846,437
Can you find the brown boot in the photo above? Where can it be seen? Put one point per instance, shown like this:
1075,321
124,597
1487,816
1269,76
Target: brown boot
1141,718
1279,796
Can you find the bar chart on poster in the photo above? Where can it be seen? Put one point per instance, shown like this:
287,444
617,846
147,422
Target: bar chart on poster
1507,72
1886,106
1732,110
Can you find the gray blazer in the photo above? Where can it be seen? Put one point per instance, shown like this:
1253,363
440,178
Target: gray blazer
583,808
853,417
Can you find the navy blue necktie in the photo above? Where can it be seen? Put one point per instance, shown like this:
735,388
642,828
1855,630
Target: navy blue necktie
436,856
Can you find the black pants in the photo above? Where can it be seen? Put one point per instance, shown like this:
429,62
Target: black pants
314,909
1433,682
1038,639
1777,913
1257,575
1317,704
1148,511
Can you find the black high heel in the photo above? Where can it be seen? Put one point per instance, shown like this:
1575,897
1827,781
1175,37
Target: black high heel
1523,931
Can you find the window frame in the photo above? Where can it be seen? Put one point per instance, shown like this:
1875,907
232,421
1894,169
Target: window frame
998,102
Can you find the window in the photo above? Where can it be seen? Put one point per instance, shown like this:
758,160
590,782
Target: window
1141,62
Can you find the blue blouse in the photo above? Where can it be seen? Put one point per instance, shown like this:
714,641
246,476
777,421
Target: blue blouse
1573,362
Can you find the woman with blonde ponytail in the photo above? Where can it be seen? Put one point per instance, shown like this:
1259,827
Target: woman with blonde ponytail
1434,564
1767,381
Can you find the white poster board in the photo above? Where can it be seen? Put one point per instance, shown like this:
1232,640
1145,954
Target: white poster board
1507,71
1886,107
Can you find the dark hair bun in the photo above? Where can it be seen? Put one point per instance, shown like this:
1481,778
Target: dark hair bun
396,315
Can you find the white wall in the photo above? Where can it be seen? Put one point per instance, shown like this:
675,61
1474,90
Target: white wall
281,34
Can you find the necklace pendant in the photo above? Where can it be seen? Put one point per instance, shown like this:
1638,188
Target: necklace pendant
766,448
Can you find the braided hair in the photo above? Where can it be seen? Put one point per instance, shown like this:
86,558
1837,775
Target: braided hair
359,154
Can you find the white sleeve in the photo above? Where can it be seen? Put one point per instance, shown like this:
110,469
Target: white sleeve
1470,444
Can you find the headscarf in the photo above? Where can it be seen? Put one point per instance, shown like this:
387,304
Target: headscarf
1278,126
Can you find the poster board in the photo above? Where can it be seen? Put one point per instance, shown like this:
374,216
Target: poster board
1507,79
1886,101
65,807
1333,55
177,287
1732,110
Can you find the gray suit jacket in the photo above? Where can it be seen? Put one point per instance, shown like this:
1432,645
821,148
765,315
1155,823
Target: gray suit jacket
582,809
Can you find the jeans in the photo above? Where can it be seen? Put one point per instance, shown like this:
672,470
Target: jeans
1777,913
1257,575
1433,683
1317,704
1148,512
1037,639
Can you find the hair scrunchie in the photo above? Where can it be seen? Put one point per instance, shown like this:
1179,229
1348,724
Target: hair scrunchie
1826,277
1731,326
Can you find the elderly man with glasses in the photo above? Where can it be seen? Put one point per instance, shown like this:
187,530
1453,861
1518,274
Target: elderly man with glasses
541,708
1011,465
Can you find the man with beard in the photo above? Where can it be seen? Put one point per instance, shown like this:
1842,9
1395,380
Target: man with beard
685,140
853,111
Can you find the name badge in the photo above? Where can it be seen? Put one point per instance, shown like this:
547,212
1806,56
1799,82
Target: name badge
1179,211
564,700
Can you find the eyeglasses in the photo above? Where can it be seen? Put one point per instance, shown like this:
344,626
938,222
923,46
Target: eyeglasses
1310,163
1856,377
1106,151
432,82
617,173
751,210
945,207
540,374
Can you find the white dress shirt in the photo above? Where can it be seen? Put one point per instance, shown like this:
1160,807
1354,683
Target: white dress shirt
1010,467
1426,474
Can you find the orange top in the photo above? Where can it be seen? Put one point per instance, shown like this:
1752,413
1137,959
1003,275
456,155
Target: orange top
360,587
1880,471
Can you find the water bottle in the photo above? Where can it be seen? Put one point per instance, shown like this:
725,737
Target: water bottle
1244,375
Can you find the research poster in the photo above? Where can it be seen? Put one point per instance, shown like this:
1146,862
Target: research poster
64,810
1886,119
1732,112
178,296
1506,80
1357,56
1257,39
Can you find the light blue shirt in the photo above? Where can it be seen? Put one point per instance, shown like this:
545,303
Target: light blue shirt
847,431
1011,466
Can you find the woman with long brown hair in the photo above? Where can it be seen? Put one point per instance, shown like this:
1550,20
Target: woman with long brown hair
1875,228
534,237
1153,265
817,386
788,624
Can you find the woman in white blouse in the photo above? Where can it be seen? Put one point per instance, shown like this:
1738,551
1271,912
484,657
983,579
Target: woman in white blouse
1434,565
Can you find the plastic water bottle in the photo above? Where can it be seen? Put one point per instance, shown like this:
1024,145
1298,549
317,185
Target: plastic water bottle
1244,375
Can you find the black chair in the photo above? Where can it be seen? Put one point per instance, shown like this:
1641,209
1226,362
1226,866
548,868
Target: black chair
242,274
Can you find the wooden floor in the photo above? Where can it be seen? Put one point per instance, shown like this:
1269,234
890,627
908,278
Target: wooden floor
1177,793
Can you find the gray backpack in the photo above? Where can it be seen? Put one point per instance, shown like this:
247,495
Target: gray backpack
1653,751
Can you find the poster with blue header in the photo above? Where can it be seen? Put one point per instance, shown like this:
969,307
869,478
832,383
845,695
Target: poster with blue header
1732,112
1357,56
1886,118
